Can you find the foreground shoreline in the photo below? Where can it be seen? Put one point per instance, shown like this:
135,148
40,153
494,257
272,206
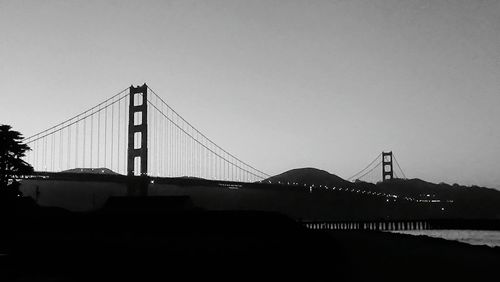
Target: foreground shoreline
347,256
138,245
395,256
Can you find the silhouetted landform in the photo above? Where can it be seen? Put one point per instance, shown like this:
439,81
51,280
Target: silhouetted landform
309,176
168,238
149,238
442,200
420,189
101,170
303,194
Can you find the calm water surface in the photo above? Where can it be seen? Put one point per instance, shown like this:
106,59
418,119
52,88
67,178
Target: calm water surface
473,237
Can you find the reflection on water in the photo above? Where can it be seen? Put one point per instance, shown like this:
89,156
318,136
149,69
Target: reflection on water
473,237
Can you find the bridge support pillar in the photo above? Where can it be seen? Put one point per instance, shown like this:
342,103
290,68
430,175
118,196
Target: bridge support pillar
137,186
387,172
137,160
137,163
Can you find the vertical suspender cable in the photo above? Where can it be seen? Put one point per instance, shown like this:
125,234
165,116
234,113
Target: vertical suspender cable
184,152
171,149
69,148
61,149
47,152
198,150
91,138
158,142
162,145
165,148
76,146
84,139
118,125
168,151
39,155
157,130
44,154
177,142
213,165
150,137
150,151
153,143
179,151
210,176
149,134
35,156
238,171
125,133
98,135
155,135
53,155
112,132
191,170
105,135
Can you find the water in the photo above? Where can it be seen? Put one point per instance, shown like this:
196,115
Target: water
473,237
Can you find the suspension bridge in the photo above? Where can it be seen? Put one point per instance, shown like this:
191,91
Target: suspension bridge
385,160
136,133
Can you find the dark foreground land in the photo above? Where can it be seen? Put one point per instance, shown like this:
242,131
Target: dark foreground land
120,243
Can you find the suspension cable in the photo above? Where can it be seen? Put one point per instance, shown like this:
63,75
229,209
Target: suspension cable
70,124
208,139
394,156
370,170
361,171
60,124
197,141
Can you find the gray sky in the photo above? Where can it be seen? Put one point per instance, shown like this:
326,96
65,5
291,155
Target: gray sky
281,84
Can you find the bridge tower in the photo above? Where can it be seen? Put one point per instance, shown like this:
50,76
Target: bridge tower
387,172
137,162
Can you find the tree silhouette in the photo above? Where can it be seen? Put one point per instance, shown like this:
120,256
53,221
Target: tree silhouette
12,149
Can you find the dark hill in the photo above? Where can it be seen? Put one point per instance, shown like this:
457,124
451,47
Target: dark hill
473,201
419,188
455,200
309,176
101,170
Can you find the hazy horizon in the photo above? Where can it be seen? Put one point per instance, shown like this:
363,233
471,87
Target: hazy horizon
280,84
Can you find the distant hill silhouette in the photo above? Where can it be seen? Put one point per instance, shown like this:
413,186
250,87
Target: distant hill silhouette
310,176
473,201
289,193
418,187
407,187
101,170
